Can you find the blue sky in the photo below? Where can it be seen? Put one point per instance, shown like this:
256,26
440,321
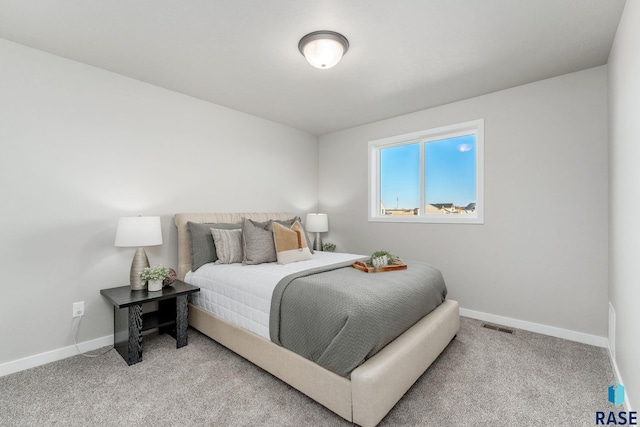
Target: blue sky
450,173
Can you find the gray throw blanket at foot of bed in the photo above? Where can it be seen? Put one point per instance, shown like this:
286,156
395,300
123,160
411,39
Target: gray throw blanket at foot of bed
338,316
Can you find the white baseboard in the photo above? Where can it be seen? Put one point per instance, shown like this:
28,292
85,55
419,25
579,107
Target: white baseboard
53,355
536,327
616,373
62,353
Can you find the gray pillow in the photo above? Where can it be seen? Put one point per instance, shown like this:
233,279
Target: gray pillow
257,242
203,250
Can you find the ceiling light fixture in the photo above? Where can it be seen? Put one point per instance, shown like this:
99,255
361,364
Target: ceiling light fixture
323,49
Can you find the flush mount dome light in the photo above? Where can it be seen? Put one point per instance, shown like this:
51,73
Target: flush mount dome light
323,49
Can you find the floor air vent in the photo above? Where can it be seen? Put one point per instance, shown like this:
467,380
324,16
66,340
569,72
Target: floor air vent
497,328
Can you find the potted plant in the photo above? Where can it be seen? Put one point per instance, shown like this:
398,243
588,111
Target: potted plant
382,258
154,277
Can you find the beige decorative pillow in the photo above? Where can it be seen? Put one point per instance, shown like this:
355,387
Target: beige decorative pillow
228,245
291,243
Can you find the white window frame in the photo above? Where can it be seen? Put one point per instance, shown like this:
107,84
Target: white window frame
474,127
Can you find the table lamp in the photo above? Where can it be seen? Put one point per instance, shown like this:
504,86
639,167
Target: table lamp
138,231
317,223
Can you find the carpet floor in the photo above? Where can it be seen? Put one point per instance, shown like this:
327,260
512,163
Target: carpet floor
483,378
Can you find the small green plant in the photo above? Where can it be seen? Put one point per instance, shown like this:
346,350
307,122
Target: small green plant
378,254
329,247
376,257
154,273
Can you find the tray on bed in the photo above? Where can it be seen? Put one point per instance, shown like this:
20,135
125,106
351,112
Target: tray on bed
368,268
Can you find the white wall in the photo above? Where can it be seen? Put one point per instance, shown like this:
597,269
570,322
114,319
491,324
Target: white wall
82,147
624,227
541,255
76,140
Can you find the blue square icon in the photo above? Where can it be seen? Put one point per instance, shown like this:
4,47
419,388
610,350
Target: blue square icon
616,394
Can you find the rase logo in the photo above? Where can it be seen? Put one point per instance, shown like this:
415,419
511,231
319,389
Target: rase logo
615,395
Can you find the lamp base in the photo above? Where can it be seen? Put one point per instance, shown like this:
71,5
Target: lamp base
139,263
317,243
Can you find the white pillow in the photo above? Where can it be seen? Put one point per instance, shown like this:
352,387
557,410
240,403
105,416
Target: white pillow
228,245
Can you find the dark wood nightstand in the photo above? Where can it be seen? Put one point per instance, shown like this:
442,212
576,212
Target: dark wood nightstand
129,322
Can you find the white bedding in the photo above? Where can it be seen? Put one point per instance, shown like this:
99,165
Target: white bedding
241,294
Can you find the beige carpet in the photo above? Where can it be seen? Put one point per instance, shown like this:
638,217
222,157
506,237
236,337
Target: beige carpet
484,378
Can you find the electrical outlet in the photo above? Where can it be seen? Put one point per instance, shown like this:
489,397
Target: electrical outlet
78,309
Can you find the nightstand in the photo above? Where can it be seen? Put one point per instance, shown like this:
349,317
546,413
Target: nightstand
129,322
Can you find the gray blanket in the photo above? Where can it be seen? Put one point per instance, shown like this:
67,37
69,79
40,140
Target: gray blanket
339,317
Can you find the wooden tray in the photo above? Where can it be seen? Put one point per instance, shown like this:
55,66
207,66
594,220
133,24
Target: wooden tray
362,266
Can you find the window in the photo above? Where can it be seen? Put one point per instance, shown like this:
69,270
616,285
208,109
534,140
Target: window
435,175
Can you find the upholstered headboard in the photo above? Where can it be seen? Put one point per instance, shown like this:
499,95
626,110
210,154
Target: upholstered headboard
184,239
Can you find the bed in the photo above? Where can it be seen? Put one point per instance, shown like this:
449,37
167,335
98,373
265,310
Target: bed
371,390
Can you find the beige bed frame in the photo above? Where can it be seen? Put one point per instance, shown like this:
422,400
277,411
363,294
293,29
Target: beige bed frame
374,387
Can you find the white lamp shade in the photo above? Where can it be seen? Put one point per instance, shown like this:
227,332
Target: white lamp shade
317,223
323,53
323,49
138,231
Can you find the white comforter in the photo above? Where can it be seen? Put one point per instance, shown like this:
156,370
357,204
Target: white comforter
241,294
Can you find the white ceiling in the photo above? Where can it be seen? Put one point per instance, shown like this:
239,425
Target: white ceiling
404,55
